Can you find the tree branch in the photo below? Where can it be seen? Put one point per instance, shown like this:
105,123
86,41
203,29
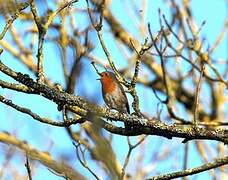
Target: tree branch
214,164
147,126
42,157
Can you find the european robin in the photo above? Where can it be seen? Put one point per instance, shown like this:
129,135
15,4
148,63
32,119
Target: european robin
113,93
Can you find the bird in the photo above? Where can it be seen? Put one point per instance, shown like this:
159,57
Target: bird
113,94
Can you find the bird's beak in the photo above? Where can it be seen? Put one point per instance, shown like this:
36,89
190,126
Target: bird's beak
98,79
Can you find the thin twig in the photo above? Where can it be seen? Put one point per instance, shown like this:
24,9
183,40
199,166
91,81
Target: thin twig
41,34
55,13
27,165
42,30
131,147
93,63
164,76
137,64
36,116
83,159
196,100
162,63
98,29
171,30
219,38
21,7
194,46
131,88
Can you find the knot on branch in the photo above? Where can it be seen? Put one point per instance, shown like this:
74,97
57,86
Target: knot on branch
24,79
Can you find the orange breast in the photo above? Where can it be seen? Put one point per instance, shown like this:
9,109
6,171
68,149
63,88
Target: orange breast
108,85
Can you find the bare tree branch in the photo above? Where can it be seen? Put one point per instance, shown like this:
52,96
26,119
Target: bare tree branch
214,164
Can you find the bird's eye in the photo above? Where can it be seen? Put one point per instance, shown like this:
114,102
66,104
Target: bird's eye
104,74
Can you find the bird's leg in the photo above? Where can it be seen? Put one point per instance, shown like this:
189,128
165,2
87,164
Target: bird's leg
109,119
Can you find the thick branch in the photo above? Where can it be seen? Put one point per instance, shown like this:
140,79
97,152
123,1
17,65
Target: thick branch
148,126
217,163
36,116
